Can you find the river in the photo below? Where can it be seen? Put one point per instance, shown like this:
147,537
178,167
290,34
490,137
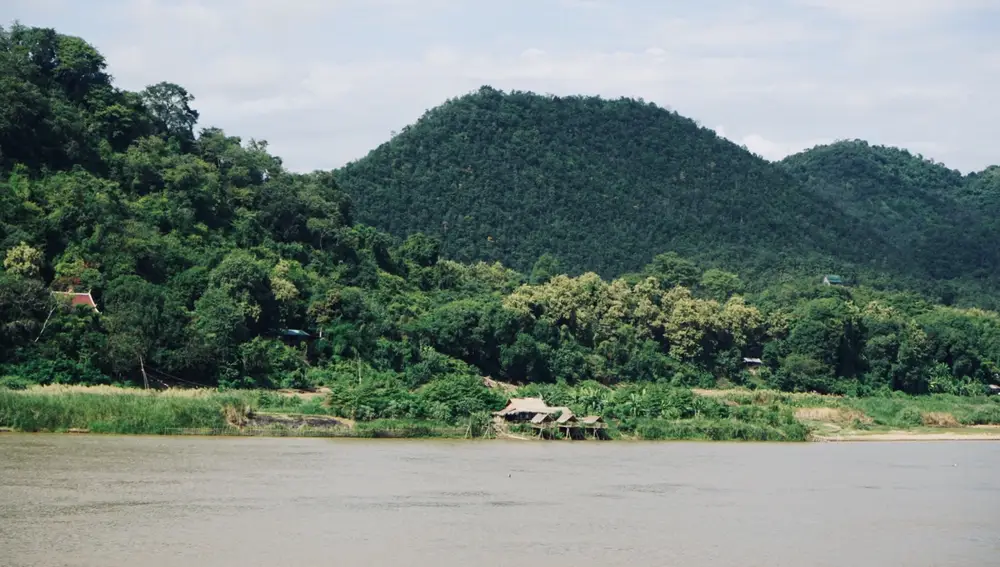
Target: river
217,502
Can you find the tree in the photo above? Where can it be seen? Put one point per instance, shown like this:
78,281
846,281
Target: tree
218,328
132,317
247,281
720,285
24,305
421,249
23,260
672,270
170,106
80,68
544,269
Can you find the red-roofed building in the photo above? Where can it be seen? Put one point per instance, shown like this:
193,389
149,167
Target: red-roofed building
75,299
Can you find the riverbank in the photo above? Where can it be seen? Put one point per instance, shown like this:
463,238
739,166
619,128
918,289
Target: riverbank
958,434
110,410
750,416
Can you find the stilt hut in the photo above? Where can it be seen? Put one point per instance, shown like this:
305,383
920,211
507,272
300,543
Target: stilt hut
548,419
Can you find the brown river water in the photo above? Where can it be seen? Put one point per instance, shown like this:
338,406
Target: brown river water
216,502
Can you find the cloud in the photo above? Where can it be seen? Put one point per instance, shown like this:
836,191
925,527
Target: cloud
743,33
325,81
584,4
896,13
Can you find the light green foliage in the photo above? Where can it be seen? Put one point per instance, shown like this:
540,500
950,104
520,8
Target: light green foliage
720,285
23,260
122,413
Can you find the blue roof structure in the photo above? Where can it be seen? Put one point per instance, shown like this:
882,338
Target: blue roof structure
294,333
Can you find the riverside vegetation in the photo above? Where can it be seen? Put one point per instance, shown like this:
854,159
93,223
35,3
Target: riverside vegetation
647,412
201,251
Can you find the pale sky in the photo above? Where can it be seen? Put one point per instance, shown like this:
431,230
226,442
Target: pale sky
325,81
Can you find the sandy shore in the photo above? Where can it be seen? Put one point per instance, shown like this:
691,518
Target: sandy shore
965,434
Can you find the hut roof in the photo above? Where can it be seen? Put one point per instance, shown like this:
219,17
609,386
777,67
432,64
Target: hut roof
592,419
753,361
541,418
525,405
76,298
566,417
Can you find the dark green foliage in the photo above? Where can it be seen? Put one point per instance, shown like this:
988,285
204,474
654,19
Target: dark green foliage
24,304
673,270
54,91
938,221
169,107
14,383
546,267
605,185
602,185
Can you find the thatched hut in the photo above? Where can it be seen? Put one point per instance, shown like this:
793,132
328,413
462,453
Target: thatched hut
546,419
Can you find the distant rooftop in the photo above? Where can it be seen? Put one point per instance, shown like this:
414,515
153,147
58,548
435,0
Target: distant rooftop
77,298
294,333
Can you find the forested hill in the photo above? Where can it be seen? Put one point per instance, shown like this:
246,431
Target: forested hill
604,185
210,264
936,218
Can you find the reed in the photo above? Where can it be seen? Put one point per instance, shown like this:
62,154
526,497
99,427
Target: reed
719,430
124,413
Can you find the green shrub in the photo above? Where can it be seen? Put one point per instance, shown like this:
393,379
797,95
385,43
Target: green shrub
983,415
909,417
14,383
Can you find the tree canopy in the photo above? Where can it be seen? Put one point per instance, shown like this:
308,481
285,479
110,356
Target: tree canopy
604,185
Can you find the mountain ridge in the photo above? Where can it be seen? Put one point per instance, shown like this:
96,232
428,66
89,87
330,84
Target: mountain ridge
612,182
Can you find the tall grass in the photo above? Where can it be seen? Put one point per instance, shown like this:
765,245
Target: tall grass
898,411
122,413
118,411
719,430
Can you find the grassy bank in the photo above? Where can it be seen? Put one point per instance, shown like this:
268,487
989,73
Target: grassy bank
112,410
124,413
728,415
835,417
